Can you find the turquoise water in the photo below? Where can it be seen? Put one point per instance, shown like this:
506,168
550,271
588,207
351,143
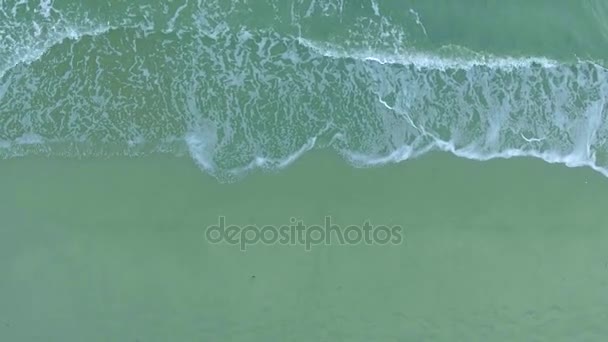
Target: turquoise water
114,250
242,85
128,127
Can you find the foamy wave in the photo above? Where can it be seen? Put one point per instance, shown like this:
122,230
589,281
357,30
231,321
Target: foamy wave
276,163
572,159
236,105
404,153
37,49
201,151
423,60
30,139
201,154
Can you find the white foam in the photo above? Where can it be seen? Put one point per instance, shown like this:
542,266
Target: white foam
199,149
17,4
422,60
171,23
275,163
30,139
531,139
418,21
136,141
375,7
36,51
570,160
401,154
573,159
45,8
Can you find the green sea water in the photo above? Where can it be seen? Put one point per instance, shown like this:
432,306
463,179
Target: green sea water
127,128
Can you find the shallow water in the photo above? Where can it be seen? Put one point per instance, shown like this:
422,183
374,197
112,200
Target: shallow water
116,250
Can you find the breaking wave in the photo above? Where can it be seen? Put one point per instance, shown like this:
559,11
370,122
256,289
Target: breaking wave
240,96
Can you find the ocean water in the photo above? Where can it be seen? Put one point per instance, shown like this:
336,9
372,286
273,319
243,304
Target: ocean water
127,127
241,85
